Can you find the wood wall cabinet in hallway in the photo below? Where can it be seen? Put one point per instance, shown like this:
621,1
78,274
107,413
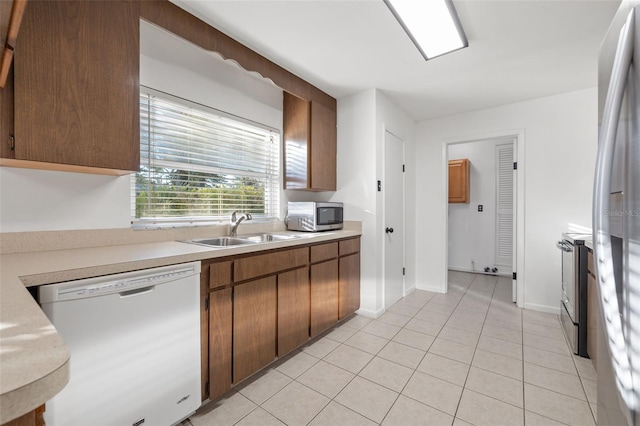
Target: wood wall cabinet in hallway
459,181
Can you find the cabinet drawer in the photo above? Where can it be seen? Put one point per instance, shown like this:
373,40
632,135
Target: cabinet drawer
270,263
323,252
590,266
220,274
349,246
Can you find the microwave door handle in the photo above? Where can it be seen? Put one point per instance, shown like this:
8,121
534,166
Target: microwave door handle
601,234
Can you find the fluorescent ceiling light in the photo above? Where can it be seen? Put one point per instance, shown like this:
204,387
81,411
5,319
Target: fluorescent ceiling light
432,25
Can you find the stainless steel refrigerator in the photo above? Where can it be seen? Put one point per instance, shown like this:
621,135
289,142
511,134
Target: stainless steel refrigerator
616,220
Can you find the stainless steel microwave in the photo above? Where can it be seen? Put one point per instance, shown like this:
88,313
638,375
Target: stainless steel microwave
312,216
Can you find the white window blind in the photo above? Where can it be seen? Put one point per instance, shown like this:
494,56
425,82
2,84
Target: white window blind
504,199
197,163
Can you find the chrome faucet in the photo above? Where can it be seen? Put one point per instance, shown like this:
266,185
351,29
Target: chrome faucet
235,222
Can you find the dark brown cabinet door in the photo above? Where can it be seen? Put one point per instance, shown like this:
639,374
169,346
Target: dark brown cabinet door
297,134
293,309
76,72
324,296
324,136
310,145
220,339
349,290
254,326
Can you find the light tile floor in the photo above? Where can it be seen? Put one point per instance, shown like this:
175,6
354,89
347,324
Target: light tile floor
466,357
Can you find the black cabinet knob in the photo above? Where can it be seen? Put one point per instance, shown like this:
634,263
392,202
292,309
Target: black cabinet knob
389,230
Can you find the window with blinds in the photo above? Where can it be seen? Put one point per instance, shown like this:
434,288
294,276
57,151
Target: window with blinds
198,164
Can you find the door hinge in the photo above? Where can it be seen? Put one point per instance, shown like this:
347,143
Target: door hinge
514,275
12,142
403,271
403,168
206,304
515,165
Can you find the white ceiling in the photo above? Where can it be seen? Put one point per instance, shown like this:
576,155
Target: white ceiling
518,49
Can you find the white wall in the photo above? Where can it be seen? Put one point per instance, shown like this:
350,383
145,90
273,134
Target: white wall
34,200
362,121
356,183
560,138
38,200
472,234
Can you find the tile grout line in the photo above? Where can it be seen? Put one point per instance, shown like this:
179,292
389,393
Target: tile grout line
464,385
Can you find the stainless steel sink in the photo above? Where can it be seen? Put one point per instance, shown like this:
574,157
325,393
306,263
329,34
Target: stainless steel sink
221,241
243,240
267,238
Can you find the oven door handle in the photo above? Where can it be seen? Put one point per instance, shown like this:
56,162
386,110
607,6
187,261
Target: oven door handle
616,343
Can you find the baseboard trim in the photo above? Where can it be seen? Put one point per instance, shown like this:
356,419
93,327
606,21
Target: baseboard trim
471,271
370,314
430,288
543,308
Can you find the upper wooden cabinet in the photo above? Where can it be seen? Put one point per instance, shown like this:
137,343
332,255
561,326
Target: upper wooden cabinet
310,145
459,181
76,80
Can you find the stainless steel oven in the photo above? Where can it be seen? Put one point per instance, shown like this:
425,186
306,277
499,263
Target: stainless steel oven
573,307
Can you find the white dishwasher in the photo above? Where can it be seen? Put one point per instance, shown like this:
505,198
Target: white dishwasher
134,340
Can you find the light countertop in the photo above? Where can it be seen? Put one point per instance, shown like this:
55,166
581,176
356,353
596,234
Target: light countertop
33,358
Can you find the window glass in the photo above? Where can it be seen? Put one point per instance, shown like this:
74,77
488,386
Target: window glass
199,164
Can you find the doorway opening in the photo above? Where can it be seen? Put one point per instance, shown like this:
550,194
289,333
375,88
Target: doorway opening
483,224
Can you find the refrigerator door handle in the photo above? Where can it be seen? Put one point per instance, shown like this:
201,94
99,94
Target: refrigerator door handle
601,203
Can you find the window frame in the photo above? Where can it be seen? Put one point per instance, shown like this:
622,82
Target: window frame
185,221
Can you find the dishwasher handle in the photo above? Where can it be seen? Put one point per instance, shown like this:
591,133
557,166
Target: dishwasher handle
137,292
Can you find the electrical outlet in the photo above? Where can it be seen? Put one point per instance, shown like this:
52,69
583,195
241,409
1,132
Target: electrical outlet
480,207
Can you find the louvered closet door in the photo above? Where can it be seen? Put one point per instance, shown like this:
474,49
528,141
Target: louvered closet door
505,202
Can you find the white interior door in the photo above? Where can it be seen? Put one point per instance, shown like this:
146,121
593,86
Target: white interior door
393,192
506,208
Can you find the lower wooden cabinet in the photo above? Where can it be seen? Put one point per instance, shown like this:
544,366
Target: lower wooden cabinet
220,342
32,418
255,306
324,296
293,309
349,285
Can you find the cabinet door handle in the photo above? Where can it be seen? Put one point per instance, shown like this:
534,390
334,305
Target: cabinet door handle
389,230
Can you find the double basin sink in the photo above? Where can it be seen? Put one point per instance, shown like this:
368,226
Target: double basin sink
244,240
